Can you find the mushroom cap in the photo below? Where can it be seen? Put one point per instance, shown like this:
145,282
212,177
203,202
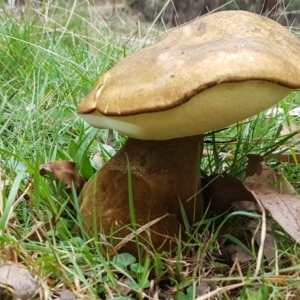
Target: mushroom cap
204,75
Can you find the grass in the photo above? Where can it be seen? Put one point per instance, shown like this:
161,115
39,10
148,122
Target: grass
49,60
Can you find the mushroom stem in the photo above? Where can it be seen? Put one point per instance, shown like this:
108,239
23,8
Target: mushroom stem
164,173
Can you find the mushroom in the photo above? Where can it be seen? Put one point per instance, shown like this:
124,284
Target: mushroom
202,76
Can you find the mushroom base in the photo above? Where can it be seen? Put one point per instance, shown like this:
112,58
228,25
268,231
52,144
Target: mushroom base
164,173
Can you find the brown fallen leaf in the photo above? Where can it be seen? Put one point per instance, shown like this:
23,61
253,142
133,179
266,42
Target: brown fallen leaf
258,172
285,209
202,288
246,205
276,194
235,252
124,287
229,256
221,190
65,172
270,242
66,294
16,282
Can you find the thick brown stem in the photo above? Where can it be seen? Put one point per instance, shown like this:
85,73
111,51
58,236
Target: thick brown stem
163,174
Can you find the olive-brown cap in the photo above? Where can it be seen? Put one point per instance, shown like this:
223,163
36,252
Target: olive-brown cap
204,75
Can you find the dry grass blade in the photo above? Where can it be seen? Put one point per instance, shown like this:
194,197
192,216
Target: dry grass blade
131,236
269,242
262,236
219,291
285,209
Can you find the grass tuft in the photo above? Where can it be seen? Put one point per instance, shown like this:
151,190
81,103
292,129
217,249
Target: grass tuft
49,58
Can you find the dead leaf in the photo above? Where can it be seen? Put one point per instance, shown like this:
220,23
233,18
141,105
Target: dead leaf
202,288
285,209
97,159
246,205
65,172
258,172
292,128
66,294
276,194
16,282
235,252
254,166
221,190
124,287
270,242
